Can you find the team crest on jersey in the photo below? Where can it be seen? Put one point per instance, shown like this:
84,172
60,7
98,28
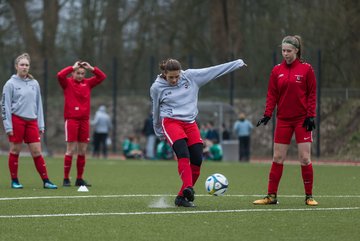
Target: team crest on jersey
186,86
298,77
280,75
168,93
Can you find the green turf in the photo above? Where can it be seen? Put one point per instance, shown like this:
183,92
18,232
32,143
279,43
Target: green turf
119,205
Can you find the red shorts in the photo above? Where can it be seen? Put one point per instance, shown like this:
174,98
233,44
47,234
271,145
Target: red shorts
24,130
77,130
285,129
175,130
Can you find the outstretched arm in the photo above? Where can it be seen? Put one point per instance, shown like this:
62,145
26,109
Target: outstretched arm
204,75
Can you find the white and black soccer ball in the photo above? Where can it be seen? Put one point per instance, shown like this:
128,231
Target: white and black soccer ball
216,184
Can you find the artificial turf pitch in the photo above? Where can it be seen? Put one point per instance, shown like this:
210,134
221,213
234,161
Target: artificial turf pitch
133,200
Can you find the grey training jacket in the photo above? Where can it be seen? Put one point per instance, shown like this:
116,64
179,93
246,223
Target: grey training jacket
180,101
21,97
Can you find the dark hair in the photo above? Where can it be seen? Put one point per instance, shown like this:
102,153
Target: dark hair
169,65
296,42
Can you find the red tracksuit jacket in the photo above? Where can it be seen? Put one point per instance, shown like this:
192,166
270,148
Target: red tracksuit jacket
292,88
77,94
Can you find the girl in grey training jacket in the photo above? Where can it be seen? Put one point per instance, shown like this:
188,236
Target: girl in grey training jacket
23,120
174,97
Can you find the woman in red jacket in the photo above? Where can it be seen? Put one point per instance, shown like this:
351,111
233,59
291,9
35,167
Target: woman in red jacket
292,89
77,94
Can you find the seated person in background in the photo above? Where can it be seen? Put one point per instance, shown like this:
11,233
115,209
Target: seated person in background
164,151
211,134
131,148
215,151
206,148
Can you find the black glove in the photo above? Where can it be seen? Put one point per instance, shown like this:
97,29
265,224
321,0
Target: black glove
264,120
309,123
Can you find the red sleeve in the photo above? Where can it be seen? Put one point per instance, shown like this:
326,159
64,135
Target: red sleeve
98,77
62,76
311,90
272,94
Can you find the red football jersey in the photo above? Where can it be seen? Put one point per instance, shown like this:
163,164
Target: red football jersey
292,88
77,94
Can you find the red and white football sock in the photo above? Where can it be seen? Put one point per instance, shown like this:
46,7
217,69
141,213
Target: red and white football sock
13,165
41,166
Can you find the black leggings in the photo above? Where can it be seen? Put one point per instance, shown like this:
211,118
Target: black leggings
193,152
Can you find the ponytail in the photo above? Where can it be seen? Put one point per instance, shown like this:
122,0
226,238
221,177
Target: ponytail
296,42
169,65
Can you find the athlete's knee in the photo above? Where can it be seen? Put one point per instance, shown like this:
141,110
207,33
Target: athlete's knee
279,158
70,149
181,149
82,148
305,160
35,149
15,149
196,154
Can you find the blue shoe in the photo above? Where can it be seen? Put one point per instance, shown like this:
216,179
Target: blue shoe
49,185
16,185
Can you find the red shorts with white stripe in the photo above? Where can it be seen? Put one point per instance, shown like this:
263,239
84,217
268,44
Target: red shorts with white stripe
77,130
175,130
24,130
285,129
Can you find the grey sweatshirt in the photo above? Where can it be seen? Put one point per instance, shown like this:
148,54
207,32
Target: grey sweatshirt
180,101
21,97
102,121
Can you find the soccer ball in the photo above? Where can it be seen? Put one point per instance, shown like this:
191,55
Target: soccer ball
216,184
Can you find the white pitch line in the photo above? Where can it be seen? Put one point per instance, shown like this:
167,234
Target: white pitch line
165,195
178,212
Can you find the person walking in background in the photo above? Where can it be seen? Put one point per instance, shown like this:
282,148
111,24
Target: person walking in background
23,120
148,132
77,95
174,96
292,89
242,128
102,126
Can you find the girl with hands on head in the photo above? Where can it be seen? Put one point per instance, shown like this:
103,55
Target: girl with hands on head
77,98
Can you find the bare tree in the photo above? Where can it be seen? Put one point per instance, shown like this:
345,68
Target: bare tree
39,49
